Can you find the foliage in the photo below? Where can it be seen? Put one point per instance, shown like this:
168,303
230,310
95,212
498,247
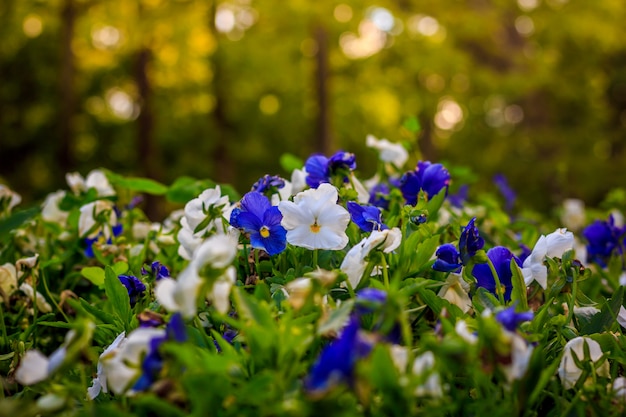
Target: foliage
106,312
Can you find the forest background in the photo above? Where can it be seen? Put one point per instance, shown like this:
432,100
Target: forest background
532,89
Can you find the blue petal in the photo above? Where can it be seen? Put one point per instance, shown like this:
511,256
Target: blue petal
249,222
272,217
255,203
317,170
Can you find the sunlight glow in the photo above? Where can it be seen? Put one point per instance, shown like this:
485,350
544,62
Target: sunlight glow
32,26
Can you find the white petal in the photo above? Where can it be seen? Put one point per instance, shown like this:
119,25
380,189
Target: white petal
559,242
33,368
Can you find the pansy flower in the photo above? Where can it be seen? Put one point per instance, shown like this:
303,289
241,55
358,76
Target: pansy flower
448,259
157,271
379,195
451,260
134,286
470,242
427,177
605,239
368,218
268,183
500,257
337,360
505,189
261,220
510,320
314,220
320,169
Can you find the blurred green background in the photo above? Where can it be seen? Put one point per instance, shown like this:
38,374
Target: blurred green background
534,89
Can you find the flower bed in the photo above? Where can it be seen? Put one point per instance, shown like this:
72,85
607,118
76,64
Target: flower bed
321,294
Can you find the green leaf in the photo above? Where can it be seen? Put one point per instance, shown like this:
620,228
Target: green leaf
118,296
431,299
289,162
337,319
425,251
15,220
120,268
141,185
519,287
95,274
435,203
606,318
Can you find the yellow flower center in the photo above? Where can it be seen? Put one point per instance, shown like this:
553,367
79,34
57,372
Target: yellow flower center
315,228
265,232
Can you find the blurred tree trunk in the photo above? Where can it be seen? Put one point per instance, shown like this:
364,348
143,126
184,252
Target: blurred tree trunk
67,107
147,152
223,169
323,142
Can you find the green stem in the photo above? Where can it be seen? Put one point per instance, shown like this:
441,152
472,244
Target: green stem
45,286
257,267
315,257
385,271
5,336
499,288
209,344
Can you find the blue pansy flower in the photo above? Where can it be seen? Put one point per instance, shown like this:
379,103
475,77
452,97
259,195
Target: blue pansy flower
459,198
261,220
268,183
470,242
157,271
509,319
505,189
153,361
448,259
368,218
337,360
605,239
427,177
379,195
134,286
320,169
500,257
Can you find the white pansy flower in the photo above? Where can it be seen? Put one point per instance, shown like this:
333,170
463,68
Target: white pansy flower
42,304
95,179
456,291
314,220
89,213
51,212
35,367
553,245
621,317
619,389
201,207
463,331
298,181
520,357
573,215
569,372
217,252
354,264
424,365
298,291
8,198
99,383
8,280
389,152
123,364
